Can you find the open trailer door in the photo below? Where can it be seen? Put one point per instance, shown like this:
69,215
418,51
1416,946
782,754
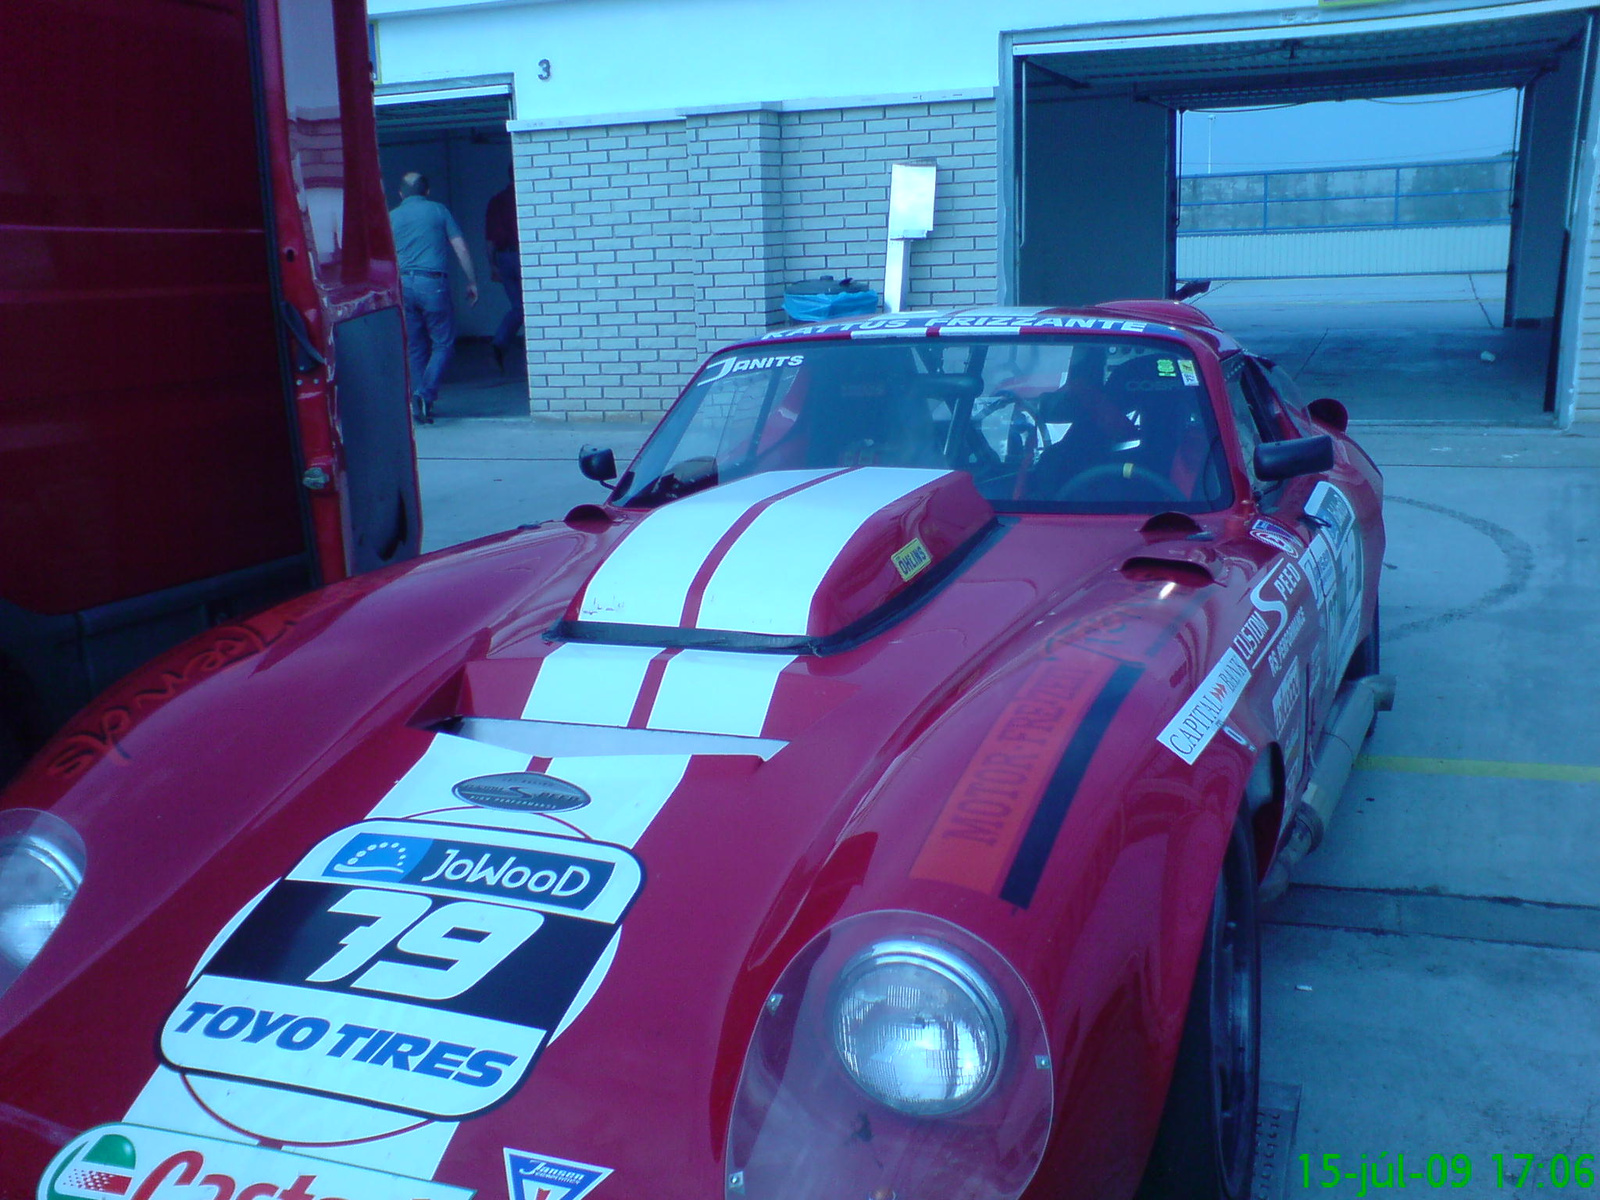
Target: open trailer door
338,296
1097,196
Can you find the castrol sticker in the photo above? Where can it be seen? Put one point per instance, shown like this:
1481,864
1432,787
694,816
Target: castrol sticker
131,1162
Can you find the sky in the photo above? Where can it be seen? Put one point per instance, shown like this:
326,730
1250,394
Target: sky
1349,133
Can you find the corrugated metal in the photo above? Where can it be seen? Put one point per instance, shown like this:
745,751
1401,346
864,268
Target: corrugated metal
1414,250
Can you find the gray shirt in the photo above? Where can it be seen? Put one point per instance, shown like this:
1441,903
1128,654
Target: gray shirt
422,232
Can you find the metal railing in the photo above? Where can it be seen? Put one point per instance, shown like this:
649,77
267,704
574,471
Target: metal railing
1473,191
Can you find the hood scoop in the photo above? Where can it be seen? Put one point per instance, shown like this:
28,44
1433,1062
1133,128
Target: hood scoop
786,561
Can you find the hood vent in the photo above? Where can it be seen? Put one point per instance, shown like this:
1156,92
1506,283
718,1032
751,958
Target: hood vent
788,561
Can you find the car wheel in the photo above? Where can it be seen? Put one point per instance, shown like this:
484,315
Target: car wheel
1365,660
1205,1146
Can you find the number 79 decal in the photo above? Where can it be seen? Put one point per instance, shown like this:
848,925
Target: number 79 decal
404,965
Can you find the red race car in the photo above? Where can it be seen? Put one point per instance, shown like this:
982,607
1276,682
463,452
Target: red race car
869,800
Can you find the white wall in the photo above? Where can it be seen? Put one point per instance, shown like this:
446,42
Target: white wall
625,56
1406,250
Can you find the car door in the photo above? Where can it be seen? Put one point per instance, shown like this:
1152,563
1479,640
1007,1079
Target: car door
1326,522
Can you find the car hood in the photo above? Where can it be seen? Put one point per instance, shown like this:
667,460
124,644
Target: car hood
757,713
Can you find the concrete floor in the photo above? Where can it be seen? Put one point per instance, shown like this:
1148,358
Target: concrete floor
1432,977
1405,348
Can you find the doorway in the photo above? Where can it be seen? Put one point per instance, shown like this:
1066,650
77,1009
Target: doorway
454,132
1097,160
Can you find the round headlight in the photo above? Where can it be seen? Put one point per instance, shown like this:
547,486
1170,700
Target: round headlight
39,876
917,1028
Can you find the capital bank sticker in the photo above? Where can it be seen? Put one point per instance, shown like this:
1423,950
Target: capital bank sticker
541,1177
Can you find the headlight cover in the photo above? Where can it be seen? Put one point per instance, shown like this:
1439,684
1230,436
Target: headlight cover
918,1028
41,869
897,1054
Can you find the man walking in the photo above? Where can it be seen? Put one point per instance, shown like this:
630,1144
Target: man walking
500,231
424,231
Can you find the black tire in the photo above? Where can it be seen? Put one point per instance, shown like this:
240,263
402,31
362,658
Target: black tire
1366,659
1205,1146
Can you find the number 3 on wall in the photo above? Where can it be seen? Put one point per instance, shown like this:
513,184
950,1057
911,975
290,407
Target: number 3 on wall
544,68
473,938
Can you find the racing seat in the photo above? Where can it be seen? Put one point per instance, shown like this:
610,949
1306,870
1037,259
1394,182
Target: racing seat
1132,440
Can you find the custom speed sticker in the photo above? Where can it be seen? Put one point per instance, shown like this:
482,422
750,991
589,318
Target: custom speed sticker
413,966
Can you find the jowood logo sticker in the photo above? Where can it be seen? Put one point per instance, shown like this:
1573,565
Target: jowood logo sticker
414,966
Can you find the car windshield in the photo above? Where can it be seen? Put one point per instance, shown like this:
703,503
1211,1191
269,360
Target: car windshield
1057,424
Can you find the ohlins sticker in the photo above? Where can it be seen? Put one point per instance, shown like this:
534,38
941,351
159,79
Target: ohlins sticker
414,966
912,558
132,1162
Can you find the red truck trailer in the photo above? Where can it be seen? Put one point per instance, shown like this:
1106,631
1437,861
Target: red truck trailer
203,401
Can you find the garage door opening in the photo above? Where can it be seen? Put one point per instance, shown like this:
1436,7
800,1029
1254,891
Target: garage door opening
1472,256
454,132
1364,246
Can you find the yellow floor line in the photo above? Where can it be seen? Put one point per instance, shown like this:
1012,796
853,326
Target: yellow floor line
1558,772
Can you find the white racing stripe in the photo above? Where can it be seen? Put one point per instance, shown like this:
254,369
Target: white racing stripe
713,691
770,576
646,577
703,691
589,684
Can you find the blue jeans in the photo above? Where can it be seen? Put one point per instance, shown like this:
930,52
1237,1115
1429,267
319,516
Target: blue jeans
430,332
508,265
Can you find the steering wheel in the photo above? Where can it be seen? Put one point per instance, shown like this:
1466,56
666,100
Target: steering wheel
1085,482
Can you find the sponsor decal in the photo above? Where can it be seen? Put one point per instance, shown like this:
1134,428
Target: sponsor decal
1289,698
1249,640
976,834
540,1177
1279,537
1335,565
525,791
1197,722
912,558
98,1167
1285,643
1191,376
997,323
139,1163
1191,731
734,366
407,965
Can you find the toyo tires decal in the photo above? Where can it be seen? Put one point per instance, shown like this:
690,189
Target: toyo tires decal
410,969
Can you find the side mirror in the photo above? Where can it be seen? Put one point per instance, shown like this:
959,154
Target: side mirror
1301,456
598,463
1328,411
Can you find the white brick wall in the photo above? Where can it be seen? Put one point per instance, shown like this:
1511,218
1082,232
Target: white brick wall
645,246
